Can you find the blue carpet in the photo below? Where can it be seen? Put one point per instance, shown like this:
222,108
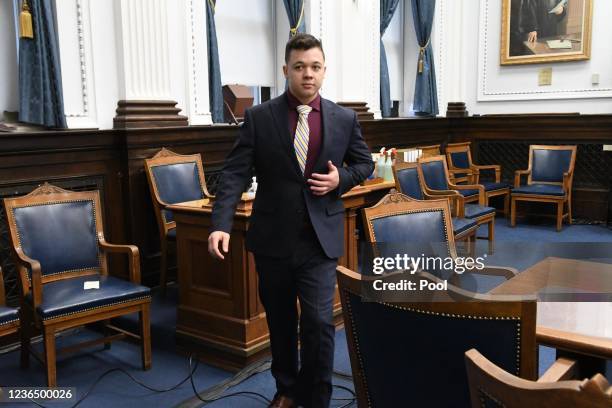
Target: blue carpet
80,370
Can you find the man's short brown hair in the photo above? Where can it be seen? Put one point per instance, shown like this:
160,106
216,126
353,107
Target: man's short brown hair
302,42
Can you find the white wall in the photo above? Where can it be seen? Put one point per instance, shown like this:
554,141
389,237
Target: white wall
491,88
95,35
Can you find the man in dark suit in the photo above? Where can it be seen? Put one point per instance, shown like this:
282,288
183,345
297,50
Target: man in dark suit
306,152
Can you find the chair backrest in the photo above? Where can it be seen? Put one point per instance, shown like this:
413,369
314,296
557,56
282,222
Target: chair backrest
458,155
548,163
491,386
416,227
407,180
174,178
412,354
434,172
58,228
428,151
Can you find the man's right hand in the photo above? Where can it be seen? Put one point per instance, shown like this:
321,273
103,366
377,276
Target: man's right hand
214,239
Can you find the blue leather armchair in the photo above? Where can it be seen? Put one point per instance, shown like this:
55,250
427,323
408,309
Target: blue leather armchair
398,224
58,244
436,184
412,354
173,178
549,179
459,159
407,182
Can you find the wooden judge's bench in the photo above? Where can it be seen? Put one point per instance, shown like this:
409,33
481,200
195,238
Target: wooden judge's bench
219,316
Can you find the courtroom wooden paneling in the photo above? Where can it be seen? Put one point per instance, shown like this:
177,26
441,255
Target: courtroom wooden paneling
113,159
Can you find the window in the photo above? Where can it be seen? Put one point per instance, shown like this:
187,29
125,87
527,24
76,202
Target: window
247,46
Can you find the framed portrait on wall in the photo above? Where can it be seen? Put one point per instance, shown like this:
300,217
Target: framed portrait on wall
536,31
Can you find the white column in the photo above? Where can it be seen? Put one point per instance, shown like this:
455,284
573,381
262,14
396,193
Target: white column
198,103
75,46
143,50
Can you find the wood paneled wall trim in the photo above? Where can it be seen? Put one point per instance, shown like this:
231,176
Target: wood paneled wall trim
116,156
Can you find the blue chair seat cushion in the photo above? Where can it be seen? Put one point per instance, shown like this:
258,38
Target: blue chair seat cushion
461,225
492,186
477,211
468,193
8,314
541,189
67,296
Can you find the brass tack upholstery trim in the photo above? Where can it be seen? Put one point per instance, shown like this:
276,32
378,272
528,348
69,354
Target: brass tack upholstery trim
9,322
171,164
349,313
97,307
93,207
408,212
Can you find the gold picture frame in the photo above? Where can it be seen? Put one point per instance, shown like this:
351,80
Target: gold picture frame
539,31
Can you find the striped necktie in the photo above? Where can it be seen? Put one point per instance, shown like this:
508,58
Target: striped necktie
300,142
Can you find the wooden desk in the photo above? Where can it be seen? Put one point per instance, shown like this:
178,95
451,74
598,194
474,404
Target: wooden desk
584,328
540,47
219,315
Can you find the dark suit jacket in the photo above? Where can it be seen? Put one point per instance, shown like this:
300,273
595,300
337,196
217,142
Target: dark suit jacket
283,196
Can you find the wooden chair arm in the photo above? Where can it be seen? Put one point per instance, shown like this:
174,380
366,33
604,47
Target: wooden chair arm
35,275
479,187
517,176
133,257
453,196
504,271
495,167
562,369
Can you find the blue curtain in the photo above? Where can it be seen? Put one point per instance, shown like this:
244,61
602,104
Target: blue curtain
387,9
295,12
425,92
41,100
215,91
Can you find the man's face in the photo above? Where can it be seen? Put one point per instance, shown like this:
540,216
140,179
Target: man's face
305,71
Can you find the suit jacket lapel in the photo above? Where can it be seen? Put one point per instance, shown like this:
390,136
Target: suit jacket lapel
280,113
327,118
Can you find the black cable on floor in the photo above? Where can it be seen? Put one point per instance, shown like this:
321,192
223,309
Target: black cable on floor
214,393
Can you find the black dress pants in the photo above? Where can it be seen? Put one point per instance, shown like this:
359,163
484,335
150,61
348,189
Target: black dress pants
308,275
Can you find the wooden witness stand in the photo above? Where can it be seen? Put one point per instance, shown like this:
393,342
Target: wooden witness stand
219,315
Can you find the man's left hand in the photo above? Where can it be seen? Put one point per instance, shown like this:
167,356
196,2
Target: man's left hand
321,184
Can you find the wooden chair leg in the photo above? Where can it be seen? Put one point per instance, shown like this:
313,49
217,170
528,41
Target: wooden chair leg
106,331
507,206
50,361
163,266
559,215
145,336
491,235
26,334
512,212
569,211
